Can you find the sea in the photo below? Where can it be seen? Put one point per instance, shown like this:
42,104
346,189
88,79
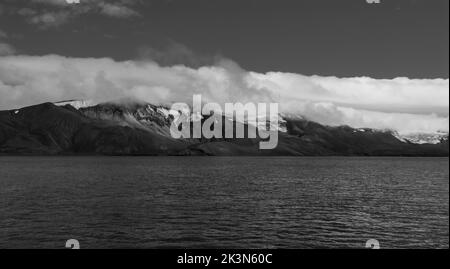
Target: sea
224,202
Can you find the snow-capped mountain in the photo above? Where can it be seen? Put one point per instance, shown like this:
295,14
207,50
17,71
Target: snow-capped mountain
139,128
425,138
144,115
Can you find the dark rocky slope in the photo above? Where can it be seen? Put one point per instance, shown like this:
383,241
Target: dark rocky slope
49,129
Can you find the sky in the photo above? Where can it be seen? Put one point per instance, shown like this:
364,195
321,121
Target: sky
346,62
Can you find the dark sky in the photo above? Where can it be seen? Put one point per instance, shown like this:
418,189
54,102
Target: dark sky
343,38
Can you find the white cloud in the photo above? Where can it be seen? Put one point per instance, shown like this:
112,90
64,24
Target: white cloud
334,115
52,13
405,105
393,95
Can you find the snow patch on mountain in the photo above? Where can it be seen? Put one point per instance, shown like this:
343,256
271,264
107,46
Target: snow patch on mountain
77,104
424,138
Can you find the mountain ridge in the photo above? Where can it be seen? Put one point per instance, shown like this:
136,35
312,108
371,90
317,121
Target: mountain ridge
143,129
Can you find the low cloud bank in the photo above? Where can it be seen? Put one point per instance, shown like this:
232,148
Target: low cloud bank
402,104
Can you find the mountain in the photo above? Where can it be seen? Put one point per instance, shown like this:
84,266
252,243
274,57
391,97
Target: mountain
138,128
51,129
425,138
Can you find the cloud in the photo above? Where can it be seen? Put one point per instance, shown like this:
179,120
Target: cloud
5,48
118,11
388,95
177,54
3,35
334,115
49,19
402,104
53,13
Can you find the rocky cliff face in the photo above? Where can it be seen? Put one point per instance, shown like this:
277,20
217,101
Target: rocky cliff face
135,128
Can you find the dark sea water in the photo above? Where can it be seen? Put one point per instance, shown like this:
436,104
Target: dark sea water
180,202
